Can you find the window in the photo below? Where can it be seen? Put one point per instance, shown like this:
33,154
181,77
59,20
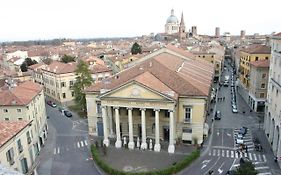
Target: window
10,156
257,58
188,115
7,119
261,95
166,114
263,75
19,146
5,110
98,107
24,165
203,56
187,130
62,84
71,83
72,93
266,58
28,137
63,95
263,85
19,110
19,118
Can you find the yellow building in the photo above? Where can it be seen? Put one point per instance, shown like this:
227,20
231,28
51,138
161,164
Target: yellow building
163,98
251,53
16,148
26,102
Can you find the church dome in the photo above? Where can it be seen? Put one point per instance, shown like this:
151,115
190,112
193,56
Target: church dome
172,18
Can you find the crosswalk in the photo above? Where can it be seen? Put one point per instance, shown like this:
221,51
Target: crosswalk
235,155
77,145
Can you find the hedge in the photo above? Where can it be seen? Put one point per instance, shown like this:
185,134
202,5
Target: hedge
167,171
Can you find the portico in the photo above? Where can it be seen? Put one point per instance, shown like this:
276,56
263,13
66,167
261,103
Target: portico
134,116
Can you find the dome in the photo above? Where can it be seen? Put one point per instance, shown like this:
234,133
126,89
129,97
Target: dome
172,19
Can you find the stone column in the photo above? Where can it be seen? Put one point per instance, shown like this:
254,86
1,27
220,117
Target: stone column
109,110
143,130
118,142
105,130
157,146
131,143
171,148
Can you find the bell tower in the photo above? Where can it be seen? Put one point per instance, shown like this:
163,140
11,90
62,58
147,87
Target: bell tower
182,33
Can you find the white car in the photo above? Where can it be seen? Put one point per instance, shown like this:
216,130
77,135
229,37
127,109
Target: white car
239,141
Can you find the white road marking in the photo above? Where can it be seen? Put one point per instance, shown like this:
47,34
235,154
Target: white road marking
232,163
255,157
227,153
58,150
67,149
214,152
86,142
267,173
260,159
260,168
228,134
236,155
210,153
203,166
82,144
222,153
220,171
264,158
54,151
206,161
250,156
232,154
236,165
241,155
218,152
78,145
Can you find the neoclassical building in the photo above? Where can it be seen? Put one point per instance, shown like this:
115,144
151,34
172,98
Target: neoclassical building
272,118
164,98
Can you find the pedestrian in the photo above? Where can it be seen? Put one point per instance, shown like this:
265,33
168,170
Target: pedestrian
246,149
275,159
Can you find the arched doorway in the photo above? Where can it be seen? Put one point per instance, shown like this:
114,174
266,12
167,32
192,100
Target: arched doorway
271,132
276,140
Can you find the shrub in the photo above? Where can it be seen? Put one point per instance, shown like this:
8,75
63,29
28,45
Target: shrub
167,171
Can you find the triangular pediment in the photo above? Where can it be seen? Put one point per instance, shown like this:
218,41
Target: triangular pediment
135,90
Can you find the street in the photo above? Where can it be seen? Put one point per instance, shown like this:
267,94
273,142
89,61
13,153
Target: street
67,149
222,155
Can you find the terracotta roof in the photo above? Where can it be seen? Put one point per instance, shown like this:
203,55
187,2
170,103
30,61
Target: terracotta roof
57,67
20,95
261,63
36,66
180,51
278,34
97,68
257,49
9,129
184,77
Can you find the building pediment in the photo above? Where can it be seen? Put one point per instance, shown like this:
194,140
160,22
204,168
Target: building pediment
135,90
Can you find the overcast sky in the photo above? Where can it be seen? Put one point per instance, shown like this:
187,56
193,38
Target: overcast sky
48,19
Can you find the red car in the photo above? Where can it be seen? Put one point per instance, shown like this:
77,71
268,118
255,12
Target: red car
50,103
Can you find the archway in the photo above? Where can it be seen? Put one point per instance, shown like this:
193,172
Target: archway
271,132
276,140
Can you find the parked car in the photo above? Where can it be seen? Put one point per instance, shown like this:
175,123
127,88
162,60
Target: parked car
67,113
51,103
217,115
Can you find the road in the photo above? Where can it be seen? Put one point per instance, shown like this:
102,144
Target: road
67,149
222,155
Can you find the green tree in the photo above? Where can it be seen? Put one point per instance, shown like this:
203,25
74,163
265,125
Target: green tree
27,62
83,80
23,67
136,48
246,167
67,59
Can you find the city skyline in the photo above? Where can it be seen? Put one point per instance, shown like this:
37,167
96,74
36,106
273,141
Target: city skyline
33,20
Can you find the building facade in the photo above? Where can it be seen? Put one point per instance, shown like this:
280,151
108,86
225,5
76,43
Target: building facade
162,99
272,121
16,149
26,102
172,24
258,85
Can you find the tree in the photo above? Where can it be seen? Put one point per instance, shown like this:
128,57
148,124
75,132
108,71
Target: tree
67,59
27,62
83,80
23,67
246,167
136,48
